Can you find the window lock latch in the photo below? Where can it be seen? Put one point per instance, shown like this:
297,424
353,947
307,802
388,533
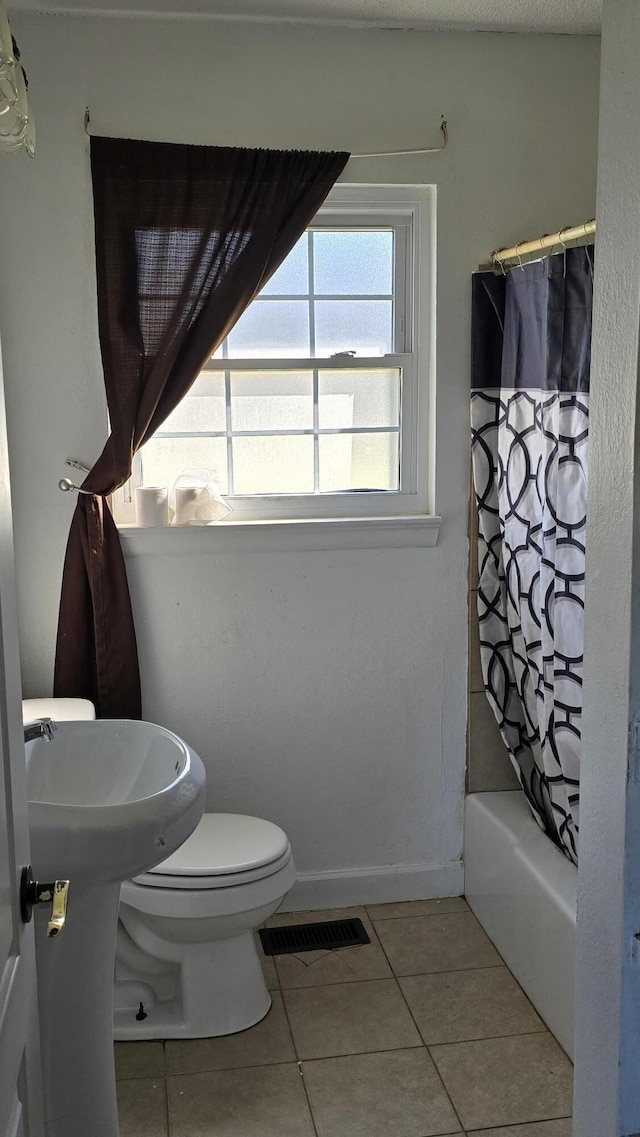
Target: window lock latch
342,354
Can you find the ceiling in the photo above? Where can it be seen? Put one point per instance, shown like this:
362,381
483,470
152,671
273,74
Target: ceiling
577,17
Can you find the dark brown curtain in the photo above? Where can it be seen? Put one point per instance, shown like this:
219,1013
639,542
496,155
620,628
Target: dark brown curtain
185,236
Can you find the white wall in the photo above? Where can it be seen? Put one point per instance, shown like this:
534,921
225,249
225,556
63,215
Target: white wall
325,690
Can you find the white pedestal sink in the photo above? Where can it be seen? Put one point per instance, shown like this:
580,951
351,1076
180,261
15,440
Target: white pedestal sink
107,800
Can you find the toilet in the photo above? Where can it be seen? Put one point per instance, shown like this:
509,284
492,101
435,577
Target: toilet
187,965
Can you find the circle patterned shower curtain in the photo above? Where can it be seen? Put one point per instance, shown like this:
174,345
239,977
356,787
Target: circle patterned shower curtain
531,335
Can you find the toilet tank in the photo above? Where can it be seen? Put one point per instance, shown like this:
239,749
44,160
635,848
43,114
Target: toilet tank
62,710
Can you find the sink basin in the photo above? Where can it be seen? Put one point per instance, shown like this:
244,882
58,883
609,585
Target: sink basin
109,799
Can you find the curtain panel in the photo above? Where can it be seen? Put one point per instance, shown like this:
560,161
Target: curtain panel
185,237
531,355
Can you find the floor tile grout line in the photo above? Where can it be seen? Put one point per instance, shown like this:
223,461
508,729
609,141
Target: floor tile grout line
394,975
526,1034
417,915
166,1105
307,1098
228,1069
424,916
140,1078
296,1061
339,983
275,968
233,1069
492,1128
458,971
299,1067
413,975
489,1037
438,1074
386,978
166,1086
363,1053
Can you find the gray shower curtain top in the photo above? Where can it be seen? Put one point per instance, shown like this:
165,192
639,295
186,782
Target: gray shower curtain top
531,336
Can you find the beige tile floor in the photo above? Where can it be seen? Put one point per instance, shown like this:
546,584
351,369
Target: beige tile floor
421,1033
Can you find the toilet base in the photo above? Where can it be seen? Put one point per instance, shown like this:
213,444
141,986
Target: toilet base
217,989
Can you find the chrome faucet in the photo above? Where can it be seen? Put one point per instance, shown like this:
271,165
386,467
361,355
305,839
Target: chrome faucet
40,728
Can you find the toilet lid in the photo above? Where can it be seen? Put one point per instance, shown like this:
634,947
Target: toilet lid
224,843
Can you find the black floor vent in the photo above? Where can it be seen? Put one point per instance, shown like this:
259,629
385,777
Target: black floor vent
327,935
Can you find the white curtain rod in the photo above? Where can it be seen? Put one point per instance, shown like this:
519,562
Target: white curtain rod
419,150
372,154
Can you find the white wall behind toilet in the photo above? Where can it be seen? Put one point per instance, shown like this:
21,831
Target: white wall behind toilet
324,690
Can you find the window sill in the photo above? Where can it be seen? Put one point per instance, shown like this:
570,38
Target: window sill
283,536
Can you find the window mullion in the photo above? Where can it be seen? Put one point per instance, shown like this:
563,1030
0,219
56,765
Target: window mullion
227,407
402,324
312,350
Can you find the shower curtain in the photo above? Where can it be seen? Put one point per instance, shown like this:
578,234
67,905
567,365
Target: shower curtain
531,333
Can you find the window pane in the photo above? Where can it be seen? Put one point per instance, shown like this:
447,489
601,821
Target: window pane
363,326
273,465
353,263
271,328
271,400
164,459
293,274
202,409
358,398
359,462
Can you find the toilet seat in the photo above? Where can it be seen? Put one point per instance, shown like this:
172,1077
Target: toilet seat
225,850
156,879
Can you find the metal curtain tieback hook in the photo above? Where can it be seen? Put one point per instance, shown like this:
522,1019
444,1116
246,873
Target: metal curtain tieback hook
67,485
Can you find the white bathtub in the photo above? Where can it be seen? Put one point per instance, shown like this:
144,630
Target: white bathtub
523,891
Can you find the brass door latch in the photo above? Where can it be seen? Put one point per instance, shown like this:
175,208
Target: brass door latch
56,893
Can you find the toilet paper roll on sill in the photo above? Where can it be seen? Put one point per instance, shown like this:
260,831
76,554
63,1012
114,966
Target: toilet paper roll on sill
152,506
199,505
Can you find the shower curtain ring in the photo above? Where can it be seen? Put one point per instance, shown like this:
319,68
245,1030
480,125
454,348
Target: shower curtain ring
497,261
564,252
520,264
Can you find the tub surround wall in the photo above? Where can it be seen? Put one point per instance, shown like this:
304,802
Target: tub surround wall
324,689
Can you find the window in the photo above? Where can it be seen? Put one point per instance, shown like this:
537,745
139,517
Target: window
316,404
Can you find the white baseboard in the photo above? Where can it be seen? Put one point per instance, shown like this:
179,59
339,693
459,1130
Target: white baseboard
383,884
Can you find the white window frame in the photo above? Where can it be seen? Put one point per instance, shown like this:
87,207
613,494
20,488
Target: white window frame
410,211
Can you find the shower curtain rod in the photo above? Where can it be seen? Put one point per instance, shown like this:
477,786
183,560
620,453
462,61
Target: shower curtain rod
547,241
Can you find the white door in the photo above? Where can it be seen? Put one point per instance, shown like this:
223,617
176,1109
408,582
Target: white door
20,1082
607,1050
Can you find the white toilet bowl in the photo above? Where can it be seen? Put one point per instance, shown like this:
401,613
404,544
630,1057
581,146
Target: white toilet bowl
187,965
